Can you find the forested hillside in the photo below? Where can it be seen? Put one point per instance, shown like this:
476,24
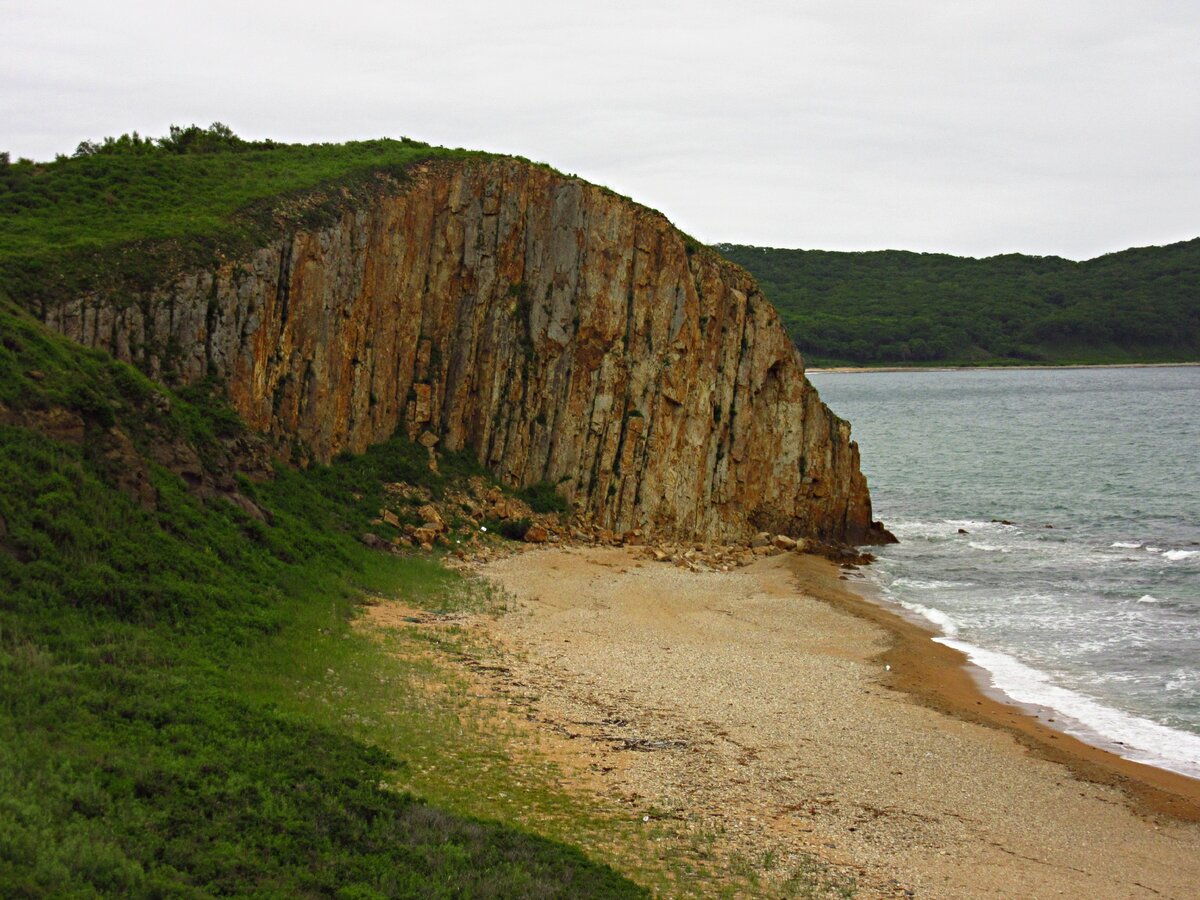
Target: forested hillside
896,307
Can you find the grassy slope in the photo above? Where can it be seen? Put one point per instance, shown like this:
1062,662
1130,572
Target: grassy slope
128,215
894,307
186,708
166,677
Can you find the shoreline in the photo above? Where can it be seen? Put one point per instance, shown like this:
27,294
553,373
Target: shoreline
1045,367
943,678
753,708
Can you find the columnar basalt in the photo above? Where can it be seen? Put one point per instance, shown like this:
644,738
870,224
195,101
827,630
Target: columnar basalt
561,332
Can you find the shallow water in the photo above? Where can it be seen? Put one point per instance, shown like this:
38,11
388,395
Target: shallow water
1050,528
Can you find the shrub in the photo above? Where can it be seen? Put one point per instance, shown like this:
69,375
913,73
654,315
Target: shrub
543,498
513,529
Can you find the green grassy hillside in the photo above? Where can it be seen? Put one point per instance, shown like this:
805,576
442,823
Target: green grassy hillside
185,709
895,307
133,210
189,703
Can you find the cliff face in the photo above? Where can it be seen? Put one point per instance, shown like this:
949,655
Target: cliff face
561,332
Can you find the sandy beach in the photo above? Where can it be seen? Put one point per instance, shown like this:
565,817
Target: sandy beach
757,706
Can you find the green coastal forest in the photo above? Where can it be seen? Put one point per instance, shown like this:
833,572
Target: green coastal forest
894,307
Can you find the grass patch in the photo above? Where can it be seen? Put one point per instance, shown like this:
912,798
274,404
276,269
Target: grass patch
131,211
167,719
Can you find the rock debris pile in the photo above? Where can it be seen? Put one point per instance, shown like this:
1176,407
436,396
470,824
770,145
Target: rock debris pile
478,522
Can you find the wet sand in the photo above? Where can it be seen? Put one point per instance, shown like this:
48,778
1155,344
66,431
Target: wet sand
755,707
940,677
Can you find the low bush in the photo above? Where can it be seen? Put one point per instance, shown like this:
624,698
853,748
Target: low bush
513,529
543,498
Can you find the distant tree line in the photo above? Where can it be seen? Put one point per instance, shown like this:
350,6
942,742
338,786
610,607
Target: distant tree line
898,307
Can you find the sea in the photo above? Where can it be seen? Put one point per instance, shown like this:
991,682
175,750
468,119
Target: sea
1049,526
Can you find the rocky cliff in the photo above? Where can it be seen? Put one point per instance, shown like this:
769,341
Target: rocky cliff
561,332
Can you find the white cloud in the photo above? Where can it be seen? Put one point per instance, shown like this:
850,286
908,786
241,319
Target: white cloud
975,128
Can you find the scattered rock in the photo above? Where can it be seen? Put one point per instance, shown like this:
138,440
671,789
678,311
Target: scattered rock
182,459
425,536
762,539
56,423
430,513
536,534
248,506
882,535
374,541
126,467
783,542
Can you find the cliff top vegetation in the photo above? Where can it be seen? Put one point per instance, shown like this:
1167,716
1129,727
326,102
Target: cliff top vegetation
141,206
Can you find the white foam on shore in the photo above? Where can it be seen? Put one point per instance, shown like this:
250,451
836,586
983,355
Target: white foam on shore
1129,736
1126,545
1146,598
947,625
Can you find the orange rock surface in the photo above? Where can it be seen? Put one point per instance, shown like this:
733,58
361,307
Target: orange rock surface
560,331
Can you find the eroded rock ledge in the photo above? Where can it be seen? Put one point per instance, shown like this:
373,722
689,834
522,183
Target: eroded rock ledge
561,332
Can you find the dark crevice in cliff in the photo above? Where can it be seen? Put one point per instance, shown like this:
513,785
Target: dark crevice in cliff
211,315
283,283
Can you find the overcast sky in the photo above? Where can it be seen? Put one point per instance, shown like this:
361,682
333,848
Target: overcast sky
975,127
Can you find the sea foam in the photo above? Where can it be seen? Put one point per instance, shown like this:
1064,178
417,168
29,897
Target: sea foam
1129,736
946,624
1177,555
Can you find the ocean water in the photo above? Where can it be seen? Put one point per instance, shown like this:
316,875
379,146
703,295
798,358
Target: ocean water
1050,529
